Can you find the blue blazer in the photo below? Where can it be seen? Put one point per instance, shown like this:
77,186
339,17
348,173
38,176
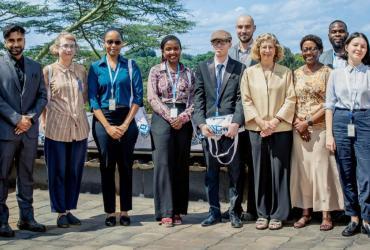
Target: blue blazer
14,103
327,58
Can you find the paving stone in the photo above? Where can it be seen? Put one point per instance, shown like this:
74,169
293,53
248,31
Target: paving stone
116,247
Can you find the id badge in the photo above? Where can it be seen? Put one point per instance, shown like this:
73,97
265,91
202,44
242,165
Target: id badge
112,104
351,130
173,112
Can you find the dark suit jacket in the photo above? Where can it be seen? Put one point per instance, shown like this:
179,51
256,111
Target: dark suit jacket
205,92
14,103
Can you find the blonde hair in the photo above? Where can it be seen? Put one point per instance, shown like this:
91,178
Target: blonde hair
66,35
279,50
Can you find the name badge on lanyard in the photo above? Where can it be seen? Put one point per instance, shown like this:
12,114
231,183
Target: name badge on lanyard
351,128
112,99
173,111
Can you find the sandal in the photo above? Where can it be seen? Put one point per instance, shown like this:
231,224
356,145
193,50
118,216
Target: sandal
326,224
303,221
275,224
167,222
177,220
261,223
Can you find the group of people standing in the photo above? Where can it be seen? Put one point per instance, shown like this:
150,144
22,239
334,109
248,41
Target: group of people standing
305,142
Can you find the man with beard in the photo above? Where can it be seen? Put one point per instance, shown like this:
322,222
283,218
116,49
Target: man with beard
241,51
22,98
337,36
245,28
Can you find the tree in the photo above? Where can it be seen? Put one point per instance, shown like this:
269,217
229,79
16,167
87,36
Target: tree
143,22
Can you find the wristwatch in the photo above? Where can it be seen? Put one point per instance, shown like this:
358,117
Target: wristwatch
309,120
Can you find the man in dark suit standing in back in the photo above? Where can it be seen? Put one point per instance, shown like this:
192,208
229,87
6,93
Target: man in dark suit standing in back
217,93
22,98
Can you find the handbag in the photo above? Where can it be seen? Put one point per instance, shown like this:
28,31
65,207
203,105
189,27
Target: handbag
219,126
140,117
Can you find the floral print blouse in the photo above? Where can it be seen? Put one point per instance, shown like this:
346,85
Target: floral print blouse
310,91
160,91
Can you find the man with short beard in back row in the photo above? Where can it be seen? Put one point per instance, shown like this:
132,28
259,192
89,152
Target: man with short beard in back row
241,52
337,36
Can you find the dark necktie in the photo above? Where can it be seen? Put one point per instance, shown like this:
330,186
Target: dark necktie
219,83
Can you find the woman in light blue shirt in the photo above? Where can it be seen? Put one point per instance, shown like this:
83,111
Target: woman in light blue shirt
114,128
348,130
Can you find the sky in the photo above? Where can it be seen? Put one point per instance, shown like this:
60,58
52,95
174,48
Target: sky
289,20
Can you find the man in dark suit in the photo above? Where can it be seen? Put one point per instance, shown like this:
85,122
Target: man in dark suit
337,36
22,98
217,92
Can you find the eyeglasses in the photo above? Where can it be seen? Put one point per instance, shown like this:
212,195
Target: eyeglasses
67,46
314,49
116,42
219,42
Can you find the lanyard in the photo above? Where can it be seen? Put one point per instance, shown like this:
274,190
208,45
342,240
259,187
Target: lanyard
113,79
173,84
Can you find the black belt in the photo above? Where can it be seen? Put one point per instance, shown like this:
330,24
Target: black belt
355,110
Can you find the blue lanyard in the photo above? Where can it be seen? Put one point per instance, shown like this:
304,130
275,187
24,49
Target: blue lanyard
112,79
174,84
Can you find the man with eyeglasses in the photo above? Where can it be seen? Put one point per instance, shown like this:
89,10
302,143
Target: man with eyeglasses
217,93
337,36
22,99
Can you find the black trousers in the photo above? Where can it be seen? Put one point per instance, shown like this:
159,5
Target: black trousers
245,150
235,170
22,152
171,152
271,162
115,152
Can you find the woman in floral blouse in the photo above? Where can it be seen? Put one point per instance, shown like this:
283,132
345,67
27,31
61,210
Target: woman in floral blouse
314,177
170,93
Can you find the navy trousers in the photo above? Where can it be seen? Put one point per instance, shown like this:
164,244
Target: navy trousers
65,162
235,171
353,158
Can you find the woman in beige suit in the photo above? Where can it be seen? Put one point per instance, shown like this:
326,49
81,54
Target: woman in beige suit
269,99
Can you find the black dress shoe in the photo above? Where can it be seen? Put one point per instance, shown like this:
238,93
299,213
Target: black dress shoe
211,220
246,216
365,229
225,215
110,221
62,221
351,229
6,230
73,220
31,225
124,220
235,221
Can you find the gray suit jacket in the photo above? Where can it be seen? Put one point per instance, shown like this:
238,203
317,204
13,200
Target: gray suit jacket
327,58
205,92
14,103
233,53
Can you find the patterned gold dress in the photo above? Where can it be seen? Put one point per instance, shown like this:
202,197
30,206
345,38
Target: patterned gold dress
314,179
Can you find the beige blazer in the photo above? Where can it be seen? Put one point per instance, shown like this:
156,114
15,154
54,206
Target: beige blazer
268,99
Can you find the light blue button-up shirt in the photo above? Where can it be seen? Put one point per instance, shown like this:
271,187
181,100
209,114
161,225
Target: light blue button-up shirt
349,88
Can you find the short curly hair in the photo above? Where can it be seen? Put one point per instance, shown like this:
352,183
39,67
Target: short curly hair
279,50
312,38
66,35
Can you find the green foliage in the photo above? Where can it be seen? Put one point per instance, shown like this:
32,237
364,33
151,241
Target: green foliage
290,60
143,22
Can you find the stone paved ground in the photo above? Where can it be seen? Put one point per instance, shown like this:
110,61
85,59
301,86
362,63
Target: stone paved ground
145,233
